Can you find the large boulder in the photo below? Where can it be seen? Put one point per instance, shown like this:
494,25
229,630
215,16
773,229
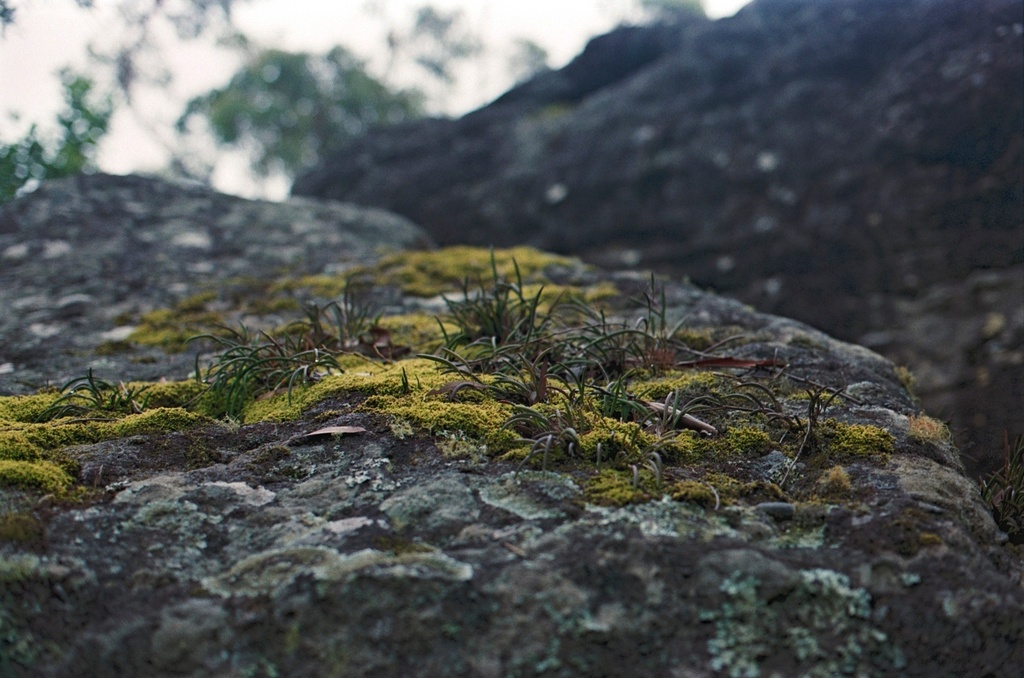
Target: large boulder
851,163
371,526
388,519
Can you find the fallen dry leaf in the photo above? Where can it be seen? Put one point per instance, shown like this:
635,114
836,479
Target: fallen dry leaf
328,431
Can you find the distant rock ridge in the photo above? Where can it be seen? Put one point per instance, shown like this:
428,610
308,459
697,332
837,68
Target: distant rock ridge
81,259
855,164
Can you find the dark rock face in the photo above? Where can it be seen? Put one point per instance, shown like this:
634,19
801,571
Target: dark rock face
855,164
81,257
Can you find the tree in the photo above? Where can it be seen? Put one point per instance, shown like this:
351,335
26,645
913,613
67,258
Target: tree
528,59
666,9
38,156
286,109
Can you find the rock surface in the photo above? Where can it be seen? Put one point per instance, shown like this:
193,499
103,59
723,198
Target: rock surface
855,164
255,549
82,259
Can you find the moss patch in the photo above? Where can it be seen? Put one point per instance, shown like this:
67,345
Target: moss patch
429,273
848,442
35,475
171,328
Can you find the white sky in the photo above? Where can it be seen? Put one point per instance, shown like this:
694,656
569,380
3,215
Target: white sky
50,34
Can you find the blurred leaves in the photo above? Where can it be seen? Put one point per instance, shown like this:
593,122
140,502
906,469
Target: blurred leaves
287,109
37,156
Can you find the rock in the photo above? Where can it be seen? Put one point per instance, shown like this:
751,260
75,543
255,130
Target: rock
247,546
82,259
854,164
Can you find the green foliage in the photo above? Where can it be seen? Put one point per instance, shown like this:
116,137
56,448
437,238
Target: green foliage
528,59
439,40
88,394
288,108
6,14
1004,491
662,9
38,156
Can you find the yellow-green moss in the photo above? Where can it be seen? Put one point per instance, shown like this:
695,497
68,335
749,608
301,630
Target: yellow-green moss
361,376
906,377
694,492
17,448
737,441
696,338
321,285
730,489
171,328
35,475
610,487
689,383
158,420
429,273
26,408
21,528
482,421
854,441
617,438
34,456
418,331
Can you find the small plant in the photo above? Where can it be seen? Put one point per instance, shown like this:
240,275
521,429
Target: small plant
86,395
818,400
500,314
1003,491
250,365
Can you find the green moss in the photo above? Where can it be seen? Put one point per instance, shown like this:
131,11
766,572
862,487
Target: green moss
25,408
429,273
696,338
731,489
737,441
906,378
34,454
159,420
617,439
610,487
113,348
324,286
21,528
398,546
35,475
805,341
854,441
476,421
689,384
419,331
694,492
18,448
362,376
171,328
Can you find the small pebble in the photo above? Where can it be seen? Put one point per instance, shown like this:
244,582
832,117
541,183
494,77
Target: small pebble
779,510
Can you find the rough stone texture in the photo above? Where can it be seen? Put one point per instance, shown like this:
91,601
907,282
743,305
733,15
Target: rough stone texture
80,255
855,164
373,555
369,555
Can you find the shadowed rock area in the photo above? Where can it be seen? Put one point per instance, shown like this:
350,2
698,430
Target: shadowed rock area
410,540
82,260
855,164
